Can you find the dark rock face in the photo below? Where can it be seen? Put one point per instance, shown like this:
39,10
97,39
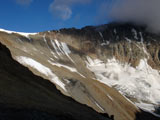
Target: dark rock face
146,116
127,42
26,96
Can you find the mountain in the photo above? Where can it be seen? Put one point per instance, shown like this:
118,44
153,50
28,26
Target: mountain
113,68
26,96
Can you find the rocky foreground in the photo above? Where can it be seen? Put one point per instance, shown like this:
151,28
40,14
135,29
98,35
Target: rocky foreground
113,69
26,96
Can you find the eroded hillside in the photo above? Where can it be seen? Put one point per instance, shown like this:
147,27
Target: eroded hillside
24,95
112,68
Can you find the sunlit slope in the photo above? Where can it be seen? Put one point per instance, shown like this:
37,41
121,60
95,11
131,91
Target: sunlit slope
26,96
108,68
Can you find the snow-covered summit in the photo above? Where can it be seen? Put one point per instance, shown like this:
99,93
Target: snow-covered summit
21,33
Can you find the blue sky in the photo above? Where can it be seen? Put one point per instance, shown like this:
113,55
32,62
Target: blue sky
41,15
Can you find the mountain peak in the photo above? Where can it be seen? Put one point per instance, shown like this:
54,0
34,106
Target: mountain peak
20,33
111,68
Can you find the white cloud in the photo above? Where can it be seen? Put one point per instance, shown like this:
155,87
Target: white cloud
63,8
103,11
62,11
138,11
23,2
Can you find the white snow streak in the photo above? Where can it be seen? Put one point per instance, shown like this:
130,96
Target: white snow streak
66,50
59,45
44,38
101,35
145,106
142,82
128,40
109,97
61,48
135,34
143,47
99,106
55,47
21,33
115,31
42,69
60,65
67,67
141,37
103,44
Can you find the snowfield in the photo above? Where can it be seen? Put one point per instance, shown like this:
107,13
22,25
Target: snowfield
21,33
141,83
42,69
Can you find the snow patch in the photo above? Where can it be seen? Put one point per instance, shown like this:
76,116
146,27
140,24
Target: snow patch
61,48
61,65
143,46
145,106
67,67
142,40
55,47
66,50
109,97
101,36
44,38
142,82
107,43
115,31
42,69
128,40
135,34
98,106
21,33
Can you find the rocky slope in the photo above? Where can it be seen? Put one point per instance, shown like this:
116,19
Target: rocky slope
26,96
112,68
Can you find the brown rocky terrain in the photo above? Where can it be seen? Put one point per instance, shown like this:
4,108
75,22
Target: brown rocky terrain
61,58
26,96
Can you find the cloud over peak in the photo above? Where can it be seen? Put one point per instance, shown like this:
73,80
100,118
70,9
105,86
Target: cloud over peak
144,12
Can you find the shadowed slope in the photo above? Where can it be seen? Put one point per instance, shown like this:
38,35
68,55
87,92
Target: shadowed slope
24,95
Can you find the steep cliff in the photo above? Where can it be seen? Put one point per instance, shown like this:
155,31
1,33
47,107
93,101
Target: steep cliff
112,68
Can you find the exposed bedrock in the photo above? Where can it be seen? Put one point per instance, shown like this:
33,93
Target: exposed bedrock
113,68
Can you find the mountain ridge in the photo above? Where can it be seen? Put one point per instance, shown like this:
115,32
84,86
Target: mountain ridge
81,64
21,91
